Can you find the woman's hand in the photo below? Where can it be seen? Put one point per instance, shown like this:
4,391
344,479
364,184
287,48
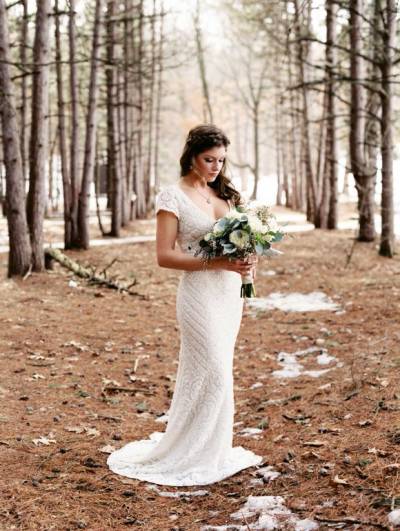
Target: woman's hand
243,267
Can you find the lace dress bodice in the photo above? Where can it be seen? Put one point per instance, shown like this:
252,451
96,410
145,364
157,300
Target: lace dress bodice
193,221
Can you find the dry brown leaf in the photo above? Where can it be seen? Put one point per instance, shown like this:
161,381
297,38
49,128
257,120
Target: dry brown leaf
339,481
107,449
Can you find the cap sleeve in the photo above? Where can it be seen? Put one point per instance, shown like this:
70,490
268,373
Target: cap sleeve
167,200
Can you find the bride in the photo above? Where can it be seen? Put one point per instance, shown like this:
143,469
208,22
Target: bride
196,448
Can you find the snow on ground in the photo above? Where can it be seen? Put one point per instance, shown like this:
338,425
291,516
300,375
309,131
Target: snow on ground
292,368
394,517
271,514
294,302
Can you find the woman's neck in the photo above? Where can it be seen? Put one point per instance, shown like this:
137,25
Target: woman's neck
194,180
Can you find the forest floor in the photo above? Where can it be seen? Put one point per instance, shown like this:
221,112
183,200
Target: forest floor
86,369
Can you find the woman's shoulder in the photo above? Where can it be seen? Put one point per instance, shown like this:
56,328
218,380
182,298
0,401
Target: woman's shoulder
168,199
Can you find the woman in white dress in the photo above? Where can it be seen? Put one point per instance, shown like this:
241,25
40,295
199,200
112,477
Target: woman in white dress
196,448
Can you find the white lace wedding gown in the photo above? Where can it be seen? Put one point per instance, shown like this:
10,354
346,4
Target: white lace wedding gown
196,448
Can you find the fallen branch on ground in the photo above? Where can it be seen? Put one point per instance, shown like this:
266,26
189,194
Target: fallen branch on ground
90,274
116,388
350,520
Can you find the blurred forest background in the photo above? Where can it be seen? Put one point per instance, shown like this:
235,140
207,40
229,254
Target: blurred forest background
98,96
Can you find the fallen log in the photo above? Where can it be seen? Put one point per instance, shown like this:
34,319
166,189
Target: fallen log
88,274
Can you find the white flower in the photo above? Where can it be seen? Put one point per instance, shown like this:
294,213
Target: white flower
234,214
273,225
240,238
207,237
255,223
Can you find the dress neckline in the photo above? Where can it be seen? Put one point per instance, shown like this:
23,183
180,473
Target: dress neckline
190,200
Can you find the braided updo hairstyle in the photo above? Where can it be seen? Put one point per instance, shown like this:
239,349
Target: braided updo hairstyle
199,139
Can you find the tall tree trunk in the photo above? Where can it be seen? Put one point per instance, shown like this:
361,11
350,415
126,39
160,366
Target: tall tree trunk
140,183
24,90
19,258
129,116
363,175
39,134
256,148
159,100
331,136
386,247
149,165
322,179
207,109
122,145
311,185
90,139
62,136
75,136
280,168
295,165
112,134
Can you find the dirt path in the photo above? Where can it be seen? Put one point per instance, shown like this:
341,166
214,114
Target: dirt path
334,439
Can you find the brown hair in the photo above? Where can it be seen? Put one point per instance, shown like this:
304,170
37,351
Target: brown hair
199,139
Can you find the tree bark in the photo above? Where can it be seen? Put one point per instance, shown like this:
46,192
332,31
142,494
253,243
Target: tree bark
68,233
158,101
39,134
140,183
331,136
311,185
90,139
24,91
362,174
19,258
386,247
75,135
207,109
112,127
256,149
150,133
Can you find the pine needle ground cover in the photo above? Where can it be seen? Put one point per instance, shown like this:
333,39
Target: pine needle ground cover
85,370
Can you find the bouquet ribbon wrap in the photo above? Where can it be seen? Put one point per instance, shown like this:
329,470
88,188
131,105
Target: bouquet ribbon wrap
247,290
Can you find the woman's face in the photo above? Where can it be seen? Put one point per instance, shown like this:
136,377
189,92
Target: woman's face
209,163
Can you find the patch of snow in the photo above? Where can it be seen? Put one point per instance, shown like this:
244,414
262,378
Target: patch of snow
268,473
272,514
295,302
162,418
292,368
324,358
256,385
250,432
394,517
269,273
306,525
316,374
256,482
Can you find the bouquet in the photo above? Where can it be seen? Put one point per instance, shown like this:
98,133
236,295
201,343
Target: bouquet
244,231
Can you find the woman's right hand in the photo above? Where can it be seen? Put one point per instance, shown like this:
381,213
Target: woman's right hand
243,267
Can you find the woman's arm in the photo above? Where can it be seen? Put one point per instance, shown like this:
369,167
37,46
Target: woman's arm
169,256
